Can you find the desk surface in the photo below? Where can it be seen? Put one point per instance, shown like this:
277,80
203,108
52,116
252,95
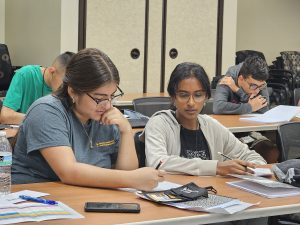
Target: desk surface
152,213
234,124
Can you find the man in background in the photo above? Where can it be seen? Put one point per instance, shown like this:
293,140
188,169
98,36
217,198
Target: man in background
30,83
244,89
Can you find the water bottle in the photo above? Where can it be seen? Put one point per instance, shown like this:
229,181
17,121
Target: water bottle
5,165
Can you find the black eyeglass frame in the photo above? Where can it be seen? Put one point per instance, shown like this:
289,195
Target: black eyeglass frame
98,101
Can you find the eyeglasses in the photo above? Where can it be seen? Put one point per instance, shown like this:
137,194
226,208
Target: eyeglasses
104,101
184,96
255,86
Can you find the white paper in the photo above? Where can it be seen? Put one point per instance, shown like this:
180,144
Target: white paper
164,185
25,212
281,113
265,191
14,197
262,172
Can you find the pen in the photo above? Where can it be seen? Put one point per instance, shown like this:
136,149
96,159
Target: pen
40,200
158,165
227,157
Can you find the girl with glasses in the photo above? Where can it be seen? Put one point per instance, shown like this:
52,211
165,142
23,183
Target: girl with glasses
77,136
187,141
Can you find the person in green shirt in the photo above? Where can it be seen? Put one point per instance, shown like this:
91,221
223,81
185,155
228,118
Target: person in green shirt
30,83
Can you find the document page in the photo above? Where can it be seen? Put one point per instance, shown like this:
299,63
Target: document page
278,114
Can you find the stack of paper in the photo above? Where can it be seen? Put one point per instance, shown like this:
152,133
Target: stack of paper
265,187
278,114
23,212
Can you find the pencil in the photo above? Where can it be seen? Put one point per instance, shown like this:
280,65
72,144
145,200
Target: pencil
158,165
225,156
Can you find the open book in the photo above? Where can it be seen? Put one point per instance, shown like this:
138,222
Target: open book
278,114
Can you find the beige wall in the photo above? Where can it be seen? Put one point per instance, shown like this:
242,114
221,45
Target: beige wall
269,27
37,31
32,31
2,21
229,34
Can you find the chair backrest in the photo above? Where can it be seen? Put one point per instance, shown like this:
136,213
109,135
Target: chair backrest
288,141
296,96
6,69
140,149
208,107
149,105
243,54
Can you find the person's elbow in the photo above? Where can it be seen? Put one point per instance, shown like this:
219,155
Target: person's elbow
68,175
9,116
218,108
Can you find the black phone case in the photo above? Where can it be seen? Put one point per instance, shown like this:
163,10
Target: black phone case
118,207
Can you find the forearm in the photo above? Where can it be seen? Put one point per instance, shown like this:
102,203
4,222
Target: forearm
87,175
9,116
127,158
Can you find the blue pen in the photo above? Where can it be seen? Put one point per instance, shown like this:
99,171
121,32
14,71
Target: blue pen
40,200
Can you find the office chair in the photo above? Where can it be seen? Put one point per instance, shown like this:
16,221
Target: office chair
289,141
208,107
6,69
149,105
240,56
140,149
296,96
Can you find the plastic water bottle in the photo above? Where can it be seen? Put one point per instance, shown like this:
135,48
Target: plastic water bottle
5,165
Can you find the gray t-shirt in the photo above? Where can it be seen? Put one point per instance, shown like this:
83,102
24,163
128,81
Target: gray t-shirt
47,124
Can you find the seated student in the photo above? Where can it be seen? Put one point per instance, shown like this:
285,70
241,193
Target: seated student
77,136
189,142
30,83
244,89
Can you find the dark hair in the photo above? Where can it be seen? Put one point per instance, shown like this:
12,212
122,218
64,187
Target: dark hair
64,59
186,70
255,66
88,70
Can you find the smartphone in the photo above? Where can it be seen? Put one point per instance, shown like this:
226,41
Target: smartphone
112,207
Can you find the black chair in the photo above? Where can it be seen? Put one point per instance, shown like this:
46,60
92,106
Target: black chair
280,94
240,56
140,149
296,96
208,107
6,69
288,141
149,105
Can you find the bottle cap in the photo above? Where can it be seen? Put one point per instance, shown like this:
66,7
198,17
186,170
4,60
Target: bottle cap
2,134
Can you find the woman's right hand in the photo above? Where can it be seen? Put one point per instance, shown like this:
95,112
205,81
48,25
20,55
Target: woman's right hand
147,178
235,166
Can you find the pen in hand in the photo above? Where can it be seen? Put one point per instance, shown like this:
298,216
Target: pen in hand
40,200
227,157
